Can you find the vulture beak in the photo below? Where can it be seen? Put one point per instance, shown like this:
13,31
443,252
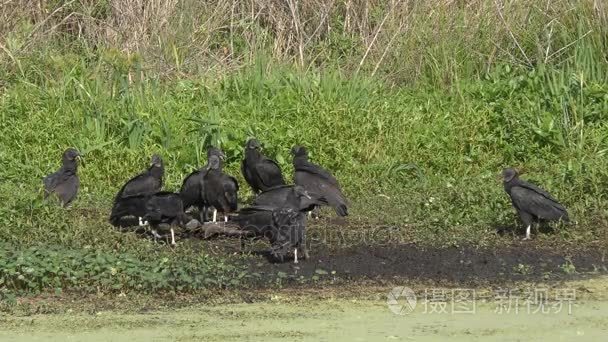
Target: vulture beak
80,160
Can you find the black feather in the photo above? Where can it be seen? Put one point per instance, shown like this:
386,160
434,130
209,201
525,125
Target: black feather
531,202
317,180
64,183
260,172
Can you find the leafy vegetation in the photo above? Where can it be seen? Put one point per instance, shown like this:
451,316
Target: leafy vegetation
49,267
415,120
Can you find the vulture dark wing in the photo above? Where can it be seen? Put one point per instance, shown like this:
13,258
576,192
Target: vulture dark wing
274,197
269,173
66,190
328,191
305,166
141,185
191,190
50,182
539,191
537,204
236,183
246,172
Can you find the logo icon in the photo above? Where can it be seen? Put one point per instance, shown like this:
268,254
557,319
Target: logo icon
401,300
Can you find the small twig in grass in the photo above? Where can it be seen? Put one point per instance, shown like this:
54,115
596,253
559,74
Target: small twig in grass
569,45
39,25
502,18
232,28
324,17
513,57
371,44
549,41
297,24
10,55
388,46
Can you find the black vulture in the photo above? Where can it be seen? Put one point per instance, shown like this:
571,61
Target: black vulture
531,202
220,190
157,209
283,227
317,180
64,183
146,183
280,196
192,187
260,172
278,215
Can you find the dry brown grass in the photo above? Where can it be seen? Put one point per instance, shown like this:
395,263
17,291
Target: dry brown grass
401,39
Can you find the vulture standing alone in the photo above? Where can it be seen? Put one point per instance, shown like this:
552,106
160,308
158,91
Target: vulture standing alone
531,202
65,182
192,188
219,189
144,184
260,172
317,180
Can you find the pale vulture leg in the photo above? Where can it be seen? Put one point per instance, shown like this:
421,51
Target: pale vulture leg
172,236
528,228
295,256
305,252
214,215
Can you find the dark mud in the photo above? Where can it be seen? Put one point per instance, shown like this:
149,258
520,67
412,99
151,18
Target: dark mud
521,261
343,252
457,265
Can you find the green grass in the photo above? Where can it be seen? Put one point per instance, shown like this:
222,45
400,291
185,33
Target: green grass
417,146
54,267
435,153
422,159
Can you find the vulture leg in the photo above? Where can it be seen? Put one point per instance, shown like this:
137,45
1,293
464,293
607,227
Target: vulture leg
303,249
155,234
225,218
172,237
202,212
528,228
527,220
315,212
214,215
295,256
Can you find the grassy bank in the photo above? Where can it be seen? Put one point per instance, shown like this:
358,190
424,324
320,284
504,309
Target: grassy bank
435,153
414,109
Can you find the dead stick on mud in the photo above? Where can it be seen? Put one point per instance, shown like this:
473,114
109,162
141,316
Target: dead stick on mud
212,229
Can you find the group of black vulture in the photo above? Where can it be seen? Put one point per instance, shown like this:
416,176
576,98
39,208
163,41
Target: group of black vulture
278,212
